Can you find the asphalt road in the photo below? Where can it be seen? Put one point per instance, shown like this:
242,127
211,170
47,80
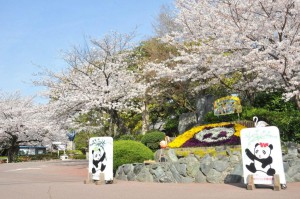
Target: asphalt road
64,180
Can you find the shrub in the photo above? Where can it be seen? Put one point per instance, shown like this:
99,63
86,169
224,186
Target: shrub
74,152
128,151
79,157
47,156
139,137
273,102
126,137
152,138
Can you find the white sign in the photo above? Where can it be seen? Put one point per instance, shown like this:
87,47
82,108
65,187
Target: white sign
101,157
262,155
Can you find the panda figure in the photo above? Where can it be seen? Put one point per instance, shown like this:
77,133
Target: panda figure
261,158
99,160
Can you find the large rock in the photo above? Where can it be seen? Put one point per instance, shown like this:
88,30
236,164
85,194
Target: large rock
204,105
186,121
200,177
220,165
236,175
181,168
168,155
157,171
206,164
214,176
144,175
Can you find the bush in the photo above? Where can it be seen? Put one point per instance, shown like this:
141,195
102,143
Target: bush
126,137
139,137
128,151
273,102
152,138
74,152
79,157
47,156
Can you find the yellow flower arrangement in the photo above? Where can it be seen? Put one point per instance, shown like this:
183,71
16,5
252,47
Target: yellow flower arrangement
180,140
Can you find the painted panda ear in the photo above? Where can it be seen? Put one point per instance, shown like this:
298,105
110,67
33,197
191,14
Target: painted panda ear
256,144
271,146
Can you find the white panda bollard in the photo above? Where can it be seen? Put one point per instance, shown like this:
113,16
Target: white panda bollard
101,160
262,156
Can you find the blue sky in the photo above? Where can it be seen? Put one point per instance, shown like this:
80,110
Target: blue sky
35,32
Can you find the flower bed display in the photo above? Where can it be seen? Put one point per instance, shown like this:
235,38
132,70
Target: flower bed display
224,133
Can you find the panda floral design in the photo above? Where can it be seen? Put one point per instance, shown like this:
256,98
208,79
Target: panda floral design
215,134
261,159
224,133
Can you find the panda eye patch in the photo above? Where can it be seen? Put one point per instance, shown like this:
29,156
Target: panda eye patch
264,152
256,151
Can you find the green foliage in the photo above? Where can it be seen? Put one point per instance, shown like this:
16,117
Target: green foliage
171,126
273,102
79,157
74,152
211,118
48,156
152,138
271,108
128,151
286,121
168,112
82,140
126,137
139,137
132,121
154,50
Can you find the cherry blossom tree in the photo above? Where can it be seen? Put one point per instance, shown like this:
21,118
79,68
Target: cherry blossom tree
23,123
253,43
98,79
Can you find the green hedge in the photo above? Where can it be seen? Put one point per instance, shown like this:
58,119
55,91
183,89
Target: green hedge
128,151
48,156
152,138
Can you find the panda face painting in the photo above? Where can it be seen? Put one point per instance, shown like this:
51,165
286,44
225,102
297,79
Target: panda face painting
99,160
261,151
96,155
261,159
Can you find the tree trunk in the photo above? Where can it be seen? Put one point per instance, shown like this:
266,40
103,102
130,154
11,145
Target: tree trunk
297,99
12,153
145,126
13,148
116,120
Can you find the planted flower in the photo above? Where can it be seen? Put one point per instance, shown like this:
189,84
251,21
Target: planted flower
206,136
209,135
222,134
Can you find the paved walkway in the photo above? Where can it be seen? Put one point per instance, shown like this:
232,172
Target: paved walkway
64,180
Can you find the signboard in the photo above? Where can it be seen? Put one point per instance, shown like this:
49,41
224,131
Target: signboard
227,105
262,155
101,157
